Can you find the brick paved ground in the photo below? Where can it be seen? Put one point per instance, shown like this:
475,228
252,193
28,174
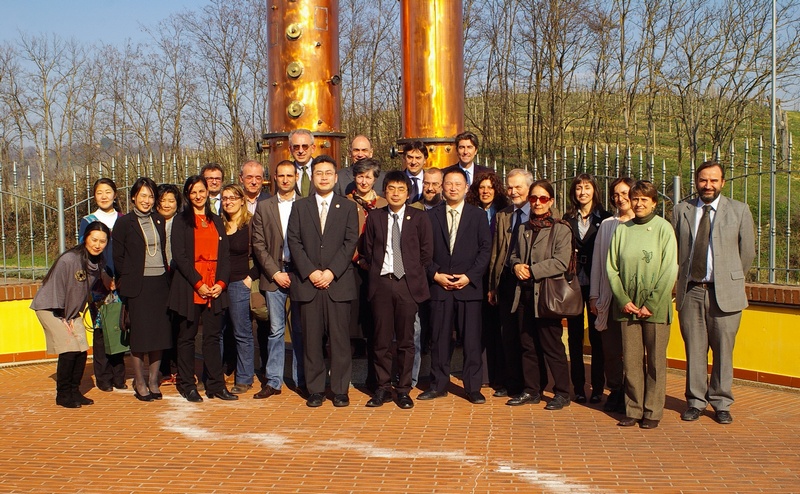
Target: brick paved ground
448,445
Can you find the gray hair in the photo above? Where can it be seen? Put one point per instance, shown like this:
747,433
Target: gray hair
303,132
525,173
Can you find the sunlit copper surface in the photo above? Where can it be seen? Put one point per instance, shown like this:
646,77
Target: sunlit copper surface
433,75
304,90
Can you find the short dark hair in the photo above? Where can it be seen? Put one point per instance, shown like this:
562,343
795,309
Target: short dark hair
323,158
708,164
455,169
416,145
212,166
395,177
644,188
367,165
467,136
171,189
545,184
142,182
620,180
285,163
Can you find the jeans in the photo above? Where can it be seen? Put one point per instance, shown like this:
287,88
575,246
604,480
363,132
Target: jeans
239,318
276,342
417,350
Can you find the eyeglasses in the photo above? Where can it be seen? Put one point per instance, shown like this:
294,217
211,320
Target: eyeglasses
541,199
231,198
213,179
298,147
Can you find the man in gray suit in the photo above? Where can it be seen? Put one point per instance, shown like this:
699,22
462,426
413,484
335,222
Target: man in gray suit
322,234
271,252
716,247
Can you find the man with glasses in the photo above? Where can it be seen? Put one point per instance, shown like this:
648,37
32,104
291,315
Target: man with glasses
322,234
431,189
360,149
251,176
301,144
214,176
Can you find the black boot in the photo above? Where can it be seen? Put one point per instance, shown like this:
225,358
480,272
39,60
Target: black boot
77,376
64,371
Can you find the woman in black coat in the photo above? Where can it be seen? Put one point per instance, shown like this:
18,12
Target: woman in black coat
198,291
140,265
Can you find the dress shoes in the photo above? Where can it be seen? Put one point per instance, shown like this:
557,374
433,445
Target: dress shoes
691,414
121,386
315,400
500,393
524,398
266,392
476,398
193,396
68,403
431,394
147,397
648,424
627,422
557,403
224,395
79,398
238,389
341,401
723,417
157,396
404,401
379,398
615,398
580,398
107,388
596,399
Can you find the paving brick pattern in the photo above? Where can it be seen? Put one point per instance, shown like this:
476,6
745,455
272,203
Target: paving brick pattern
445,445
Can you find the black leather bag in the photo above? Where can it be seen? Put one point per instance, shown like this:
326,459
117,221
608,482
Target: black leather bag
561,296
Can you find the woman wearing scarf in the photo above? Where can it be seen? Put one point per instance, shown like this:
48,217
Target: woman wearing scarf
532,261
140,262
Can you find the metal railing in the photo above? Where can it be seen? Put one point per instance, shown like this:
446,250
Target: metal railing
39,217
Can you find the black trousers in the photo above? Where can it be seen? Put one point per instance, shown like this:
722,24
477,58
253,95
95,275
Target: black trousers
395,311
109,370
319,315
549,332
187,330
466,316
577,370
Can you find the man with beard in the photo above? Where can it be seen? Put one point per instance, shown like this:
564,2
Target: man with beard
431,189
716,246
360,149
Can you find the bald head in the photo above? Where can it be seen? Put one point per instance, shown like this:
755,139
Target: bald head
360,148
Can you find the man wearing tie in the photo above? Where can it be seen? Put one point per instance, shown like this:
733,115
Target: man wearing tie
214,176
467,148
301,145
322,234
271,251
414,155
716,246
398,245
462,245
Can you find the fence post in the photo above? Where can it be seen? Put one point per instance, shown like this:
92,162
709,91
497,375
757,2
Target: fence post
62,233
676,190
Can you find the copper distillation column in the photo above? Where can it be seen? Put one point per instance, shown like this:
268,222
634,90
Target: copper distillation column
433,76
303,71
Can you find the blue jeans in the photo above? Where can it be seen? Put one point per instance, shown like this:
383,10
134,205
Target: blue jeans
276,343
417,350
239,318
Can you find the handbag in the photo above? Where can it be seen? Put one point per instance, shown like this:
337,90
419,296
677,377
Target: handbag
560,296
115,323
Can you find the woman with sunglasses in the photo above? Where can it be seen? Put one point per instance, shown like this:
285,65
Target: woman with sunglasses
532,261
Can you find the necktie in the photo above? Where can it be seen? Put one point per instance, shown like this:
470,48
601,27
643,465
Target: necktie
514,231
399,270
415,190
469,178
215,205
453,228
700,254
305,183
323,215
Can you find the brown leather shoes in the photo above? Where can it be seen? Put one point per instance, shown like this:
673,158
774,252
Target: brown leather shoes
266,392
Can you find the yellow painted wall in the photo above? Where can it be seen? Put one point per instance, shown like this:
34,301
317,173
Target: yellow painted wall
20,331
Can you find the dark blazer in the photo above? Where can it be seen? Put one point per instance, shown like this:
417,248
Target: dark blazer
181,293
585,246
500,243
416,244
478,169
130,251
267,238
470,253
311,250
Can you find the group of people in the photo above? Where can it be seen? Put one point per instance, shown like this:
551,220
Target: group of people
412,260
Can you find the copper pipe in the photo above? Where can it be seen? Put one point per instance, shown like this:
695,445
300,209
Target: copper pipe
303,71
433,76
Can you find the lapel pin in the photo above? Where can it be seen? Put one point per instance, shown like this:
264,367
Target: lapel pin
336,206
649,228
408,218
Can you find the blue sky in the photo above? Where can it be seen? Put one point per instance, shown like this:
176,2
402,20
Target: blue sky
107,21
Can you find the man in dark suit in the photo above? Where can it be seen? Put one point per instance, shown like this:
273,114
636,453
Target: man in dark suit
467,148
398,245
462,244
415,155
301,145
251,176
271,252
214,175
716,247
431,190
322,234
360,149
